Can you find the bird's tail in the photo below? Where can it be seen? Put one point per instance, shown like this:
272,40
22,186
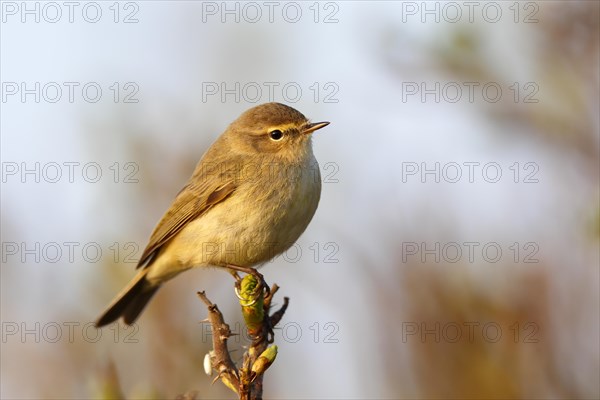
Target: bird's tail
130,302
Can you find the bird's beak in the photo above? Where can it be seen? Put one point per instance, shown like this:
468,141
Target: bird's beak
310,128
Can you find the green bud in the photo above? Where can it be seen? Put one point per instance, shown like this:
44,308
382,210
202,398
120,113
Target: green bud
264,361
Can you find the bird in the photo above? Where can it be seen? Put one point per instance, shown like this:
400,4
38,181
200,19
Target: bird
250,197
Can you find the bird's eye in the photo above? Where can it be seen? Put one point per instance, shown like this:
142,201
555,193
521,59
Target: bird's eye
276,134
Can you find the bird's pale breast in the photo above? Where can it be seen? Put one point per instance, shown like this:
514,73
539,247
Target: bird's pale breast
262,218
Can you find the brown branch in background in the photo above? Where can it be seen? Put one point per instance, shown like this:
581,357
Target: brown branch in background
247,381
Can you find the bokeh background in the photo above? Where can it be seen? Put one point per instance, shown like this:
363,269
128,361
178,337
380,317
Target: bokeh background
382,304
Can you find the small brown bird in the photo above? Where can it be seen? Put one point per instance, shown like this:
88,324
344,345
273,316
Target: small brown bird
249,199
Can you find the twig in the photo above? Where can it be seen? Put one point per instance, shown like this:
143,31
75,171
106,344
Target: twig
221,359
247,381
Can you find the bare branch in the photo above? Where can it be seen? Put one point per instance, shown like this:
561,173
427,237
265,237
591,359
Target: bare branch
221,359
255,300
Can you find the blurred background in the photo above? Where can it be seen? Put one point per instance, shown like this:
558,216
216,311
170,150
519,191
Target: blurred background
455,251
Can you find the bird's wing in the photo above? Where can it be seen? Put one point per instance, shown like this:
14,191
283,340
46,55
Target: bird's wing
191,202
